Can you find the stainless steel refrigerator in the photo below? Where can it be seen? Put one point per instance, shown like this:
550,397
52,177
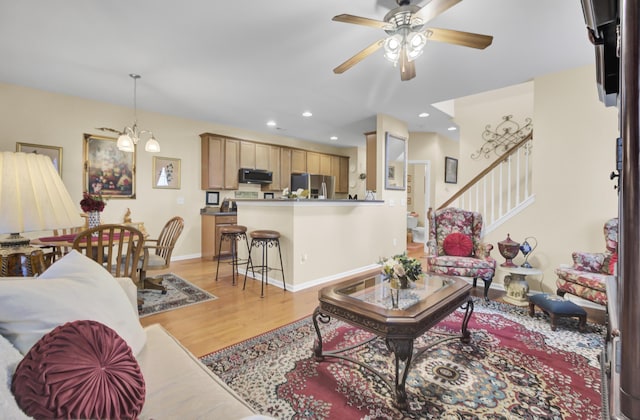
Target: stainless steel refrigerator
318,185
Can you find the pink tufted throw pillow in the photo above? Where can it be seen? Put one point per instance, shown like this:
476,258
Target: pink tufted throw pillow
457,244
82,369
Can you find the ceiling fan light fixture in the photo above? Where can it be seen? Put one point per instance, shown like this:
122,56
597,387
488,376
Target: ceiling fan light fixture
415,45
393,48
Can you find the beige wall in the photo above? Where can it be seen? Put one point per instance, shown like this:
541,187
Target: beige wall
34,116
573,154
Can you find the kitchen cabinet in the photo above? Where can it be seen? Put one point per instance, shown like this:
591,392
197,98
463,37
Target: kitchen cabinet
272,159
372,150
231,164
325,165
263,157
285,168
210,235
313,162
212,155
247,155
298,161
340,170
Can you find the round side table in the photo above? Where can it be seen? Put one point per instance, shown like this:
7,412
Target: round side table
515,283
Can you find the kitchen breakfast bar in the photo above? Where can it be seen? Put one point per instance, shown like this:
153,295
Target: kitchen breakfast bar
320,240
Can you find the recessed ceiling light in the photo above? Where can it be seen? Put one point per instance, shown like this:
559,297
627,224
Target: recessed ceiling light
452,128
334,138
307,114
271,123
423,114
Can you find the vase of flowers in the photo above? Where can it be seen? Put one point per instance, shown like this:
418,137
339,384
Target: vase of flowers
92,205
401,270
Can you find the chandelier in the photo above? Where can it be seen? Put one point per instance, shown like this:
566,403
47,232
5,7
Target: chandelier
128,138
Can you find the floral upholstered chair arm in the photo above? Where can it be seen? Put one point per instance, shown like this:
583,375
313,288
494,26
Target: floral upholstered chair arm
592,262
432,247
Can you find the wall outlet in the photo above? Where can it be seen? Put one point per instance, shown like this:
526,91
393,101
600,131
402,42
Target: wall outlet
304,258
180,200
395,242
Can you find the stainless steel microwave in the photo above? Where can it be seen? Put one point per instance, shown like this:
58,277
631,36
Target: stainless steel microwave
254,176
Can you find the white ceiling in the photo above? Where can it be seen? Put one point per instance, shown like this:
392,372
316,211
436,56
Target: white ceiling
244,62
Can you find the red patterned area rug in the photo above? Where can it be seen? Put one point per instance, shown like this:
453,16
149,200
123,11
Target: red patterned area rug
514,368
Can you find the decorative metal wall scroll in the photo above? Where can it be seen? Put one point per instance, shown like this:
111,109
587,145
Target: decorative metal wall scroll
505,135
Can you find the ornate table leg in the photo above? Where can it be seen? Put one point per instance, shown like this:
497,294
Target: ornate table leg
403,352
317,347
468,307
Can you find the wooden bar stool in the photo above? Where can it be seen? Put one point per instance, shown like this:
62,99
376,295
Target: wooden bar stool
265,239
234,233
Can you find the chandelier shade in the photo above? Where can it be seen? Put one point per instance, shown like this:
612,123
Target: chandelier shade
129,137
33,196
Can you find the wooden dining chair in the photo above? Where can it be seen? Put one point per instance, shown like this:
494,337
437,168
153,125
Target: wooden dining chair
116,247
157,253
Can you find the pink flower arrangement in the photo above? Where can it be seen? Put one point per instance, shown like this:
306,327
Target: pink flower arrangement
92,202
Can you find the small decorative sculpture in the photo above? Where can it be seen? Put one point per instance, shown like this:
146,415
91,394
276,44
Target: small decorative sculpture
127,216
508,249
527,249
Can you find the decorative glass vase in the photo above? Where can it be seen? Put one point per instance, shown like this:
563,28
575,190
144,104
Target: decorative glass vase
94,220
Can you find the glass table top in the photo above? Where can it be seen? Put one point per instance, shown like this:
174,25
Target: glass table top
377,290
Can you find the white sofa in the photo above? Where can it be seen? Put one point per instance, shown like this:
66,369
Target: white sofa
177,384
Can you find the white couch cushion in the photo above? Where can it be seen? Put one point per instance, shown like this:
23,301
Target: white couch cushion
73,288
9,359
180,386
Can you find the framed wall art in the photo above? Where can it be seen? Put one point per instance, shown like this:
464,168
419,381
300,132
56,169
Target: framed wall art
108,170
268,196
166,173
54,152
450,170
213,198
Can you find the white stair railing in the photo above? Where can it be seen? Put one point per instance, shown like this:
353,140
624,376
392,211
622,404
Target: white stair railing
501,190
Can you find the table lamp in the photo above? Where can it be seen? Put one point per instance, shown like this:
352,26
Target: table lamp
32,198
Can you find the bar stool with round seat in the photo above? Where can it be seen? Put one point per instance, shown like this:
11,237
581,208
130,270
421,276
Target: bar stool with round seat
265,239
233,233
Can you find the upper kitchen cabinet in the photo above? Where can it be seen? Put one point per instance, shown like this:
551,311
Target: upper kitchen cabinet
231,164
269,159
340,170
298,161
212,156
325,165
285,167
220,162
247,155
313,163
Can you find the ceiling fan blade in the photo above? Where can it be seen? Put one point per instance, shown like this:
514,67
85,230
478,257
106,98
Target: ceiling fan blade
358,57
435,8
466,39
357,20
407,68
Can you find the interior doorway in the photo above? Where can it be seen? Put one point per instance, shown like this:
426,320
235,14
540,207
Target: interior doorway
418,199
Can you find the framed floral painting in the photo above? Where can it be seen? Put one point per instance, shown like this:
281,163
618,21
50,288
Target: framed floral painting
108,170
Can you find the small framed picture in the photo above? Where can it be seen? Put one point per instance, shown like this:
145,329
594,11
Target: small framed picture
213,198
54,152
450,170
166,173
268,196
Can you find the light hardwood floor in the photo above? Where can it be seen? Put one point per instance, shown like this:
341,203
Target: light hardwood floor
238,315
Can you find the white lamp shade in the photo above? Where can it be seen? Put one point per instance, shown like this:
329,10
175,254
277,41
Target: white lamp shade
125,143
33,196
152,145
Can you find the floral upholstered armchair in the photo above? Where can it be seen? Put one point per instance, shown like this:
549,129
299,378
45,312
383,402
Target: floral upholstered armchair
455,247
586,278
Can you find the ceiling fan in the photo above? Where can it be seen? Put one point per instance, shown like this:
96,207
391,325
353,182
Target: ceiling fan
407,35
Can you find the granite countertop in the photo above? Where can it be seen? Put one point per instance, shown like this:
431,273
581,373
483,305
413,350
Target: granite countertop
215,211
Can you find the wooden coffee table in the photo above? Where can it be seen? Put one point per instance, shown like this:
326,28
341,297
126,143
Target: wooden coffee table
367,302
